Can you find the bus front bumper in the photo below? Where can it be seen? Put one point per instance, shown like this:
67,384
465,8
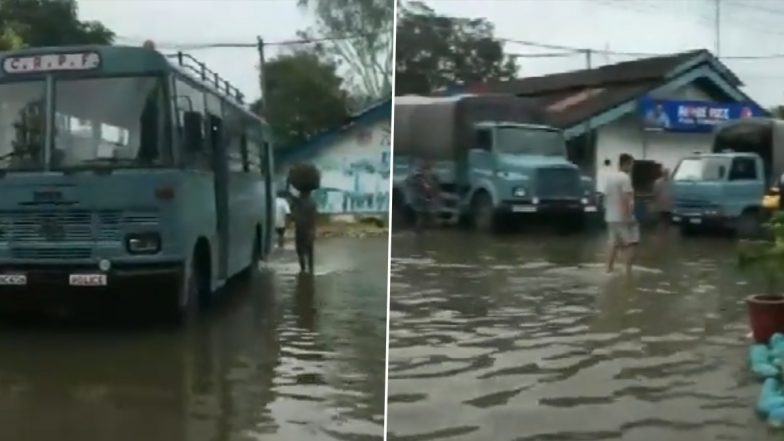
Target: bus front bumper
132,277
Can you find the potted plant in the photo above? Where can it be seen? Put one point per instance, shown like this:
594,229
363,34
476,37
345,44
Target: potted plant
766,311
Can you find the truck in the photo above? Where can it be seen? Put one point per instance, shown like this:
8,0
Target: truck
494,157
730,187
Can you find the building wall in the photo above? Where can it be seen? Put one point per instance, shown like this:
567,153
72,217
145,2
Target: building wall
626,136
354,171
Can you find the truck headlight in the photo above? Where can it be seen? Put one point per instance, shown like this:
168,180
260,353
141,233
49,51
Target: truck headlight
511,176
520,192
143,243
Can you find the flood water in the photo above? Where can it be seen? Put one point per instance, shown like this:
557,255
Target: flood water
525,338
285,357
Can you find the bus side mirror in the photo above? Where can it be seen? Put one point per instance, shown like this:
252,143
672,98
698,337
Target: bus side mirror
193,125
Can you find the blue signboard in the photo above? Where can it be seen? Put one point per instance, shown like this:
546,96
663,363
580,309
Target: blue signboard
692,116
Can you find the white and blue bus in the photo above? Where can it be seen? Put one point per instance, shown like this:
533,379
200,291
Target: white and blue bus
122,167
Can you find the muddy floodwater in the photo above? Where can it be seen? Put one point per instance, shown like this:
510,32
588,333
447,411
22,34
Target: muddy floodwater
524,337
283,358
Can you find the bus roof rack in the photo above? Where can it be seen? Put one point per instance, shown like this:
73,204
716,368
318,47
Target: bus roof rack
199,71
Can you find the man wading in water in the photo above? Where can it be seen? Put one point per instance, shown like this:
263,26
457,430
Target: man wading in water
425,193
622,227
304,213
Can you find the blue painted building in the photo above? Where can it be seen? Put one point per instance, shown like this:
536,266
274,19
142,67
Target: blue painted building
657,109
354,160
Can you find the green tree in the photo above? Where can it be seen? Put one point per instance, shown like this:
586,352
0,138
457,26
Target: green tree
10,39
305,96
47,23
436,51
368,54
777,112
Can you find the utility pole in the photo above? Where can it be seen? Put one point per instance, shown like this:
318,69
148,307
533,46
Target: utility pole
262,76
587,138
718,27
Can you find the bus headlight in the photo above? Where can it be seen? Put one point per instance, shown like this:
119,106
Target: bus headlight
520,192
143,243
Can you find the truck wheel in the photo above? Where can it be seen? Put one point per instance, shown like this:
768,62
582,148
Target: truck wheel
749,226
483,214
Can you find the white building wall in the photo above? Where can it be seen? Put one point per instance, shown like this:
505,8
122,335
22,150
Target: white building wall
354,171
625,135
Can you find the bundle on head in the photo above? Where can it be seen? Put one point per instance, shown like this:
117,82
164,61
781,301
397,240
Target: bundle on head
305,177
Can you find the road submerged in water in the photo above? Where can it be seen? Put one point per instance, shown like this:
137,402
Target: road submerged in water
526,338
284,357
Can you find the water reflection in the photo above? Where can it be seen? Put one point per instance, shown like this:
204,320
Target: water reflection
268,363
526,338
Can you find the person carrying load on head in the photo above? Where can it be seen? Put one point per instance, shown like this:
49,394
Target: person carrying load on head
305,178
425,193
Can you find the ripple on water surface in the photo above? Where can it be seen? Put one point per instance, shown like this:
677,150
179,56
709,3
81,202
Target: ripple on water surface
526,338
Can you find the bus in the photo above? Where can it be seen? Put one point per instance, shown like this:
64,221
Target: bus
122,167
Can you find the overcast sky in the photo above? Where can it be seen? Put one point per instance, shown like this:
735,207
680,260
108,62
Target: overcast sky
204,21
748,27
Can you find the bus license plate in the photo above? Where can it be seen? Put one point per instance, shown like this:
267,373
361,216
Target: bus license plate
524,209
13,279
87,280
695,221
590,209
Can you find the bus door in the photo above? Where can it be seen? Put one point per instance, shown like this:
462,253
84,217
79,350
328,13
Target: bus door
269,195
220,167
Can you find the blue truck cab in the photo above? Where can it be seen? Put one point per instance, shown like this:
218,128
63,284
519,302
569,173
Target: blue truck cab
492,158
718,190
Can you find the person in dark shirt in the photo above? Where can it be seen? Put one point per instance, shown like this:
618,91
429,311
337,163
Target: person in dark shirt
424,188
304,213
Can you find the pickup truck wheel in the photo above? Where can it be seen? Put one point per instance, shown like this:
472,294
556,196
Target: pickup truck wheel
482,213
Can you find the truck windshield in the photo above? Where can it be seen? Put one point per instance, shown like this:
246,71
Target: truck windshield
22,125
522,141
109,122
702,169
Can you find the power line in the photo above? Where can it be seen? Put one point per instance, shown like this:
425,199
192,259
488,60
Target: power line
224,45
577,50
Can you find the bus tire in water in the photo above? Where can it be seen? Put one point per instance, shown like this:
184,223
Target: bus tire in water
255,255
194,291
483,215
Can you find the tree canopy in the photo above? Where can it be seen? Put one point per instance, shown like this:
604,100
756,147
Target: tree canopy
47,23
436,51
305,96
366,57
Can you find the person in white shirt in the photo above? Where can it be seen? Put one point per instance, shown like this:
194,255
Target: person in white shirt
601,178
282,210
623,229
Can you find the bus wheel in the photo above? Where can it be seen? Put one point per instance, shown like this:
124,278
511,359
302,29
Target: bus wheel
255,257
194,287
483,214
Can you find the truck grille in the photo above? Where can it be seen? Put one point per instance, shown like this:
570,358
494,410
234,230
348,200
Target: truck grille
692,204
65,234
558,183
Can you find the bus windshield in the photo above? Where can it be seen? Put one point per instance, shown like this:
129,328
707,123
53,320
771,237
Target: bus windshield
522,141
702,169
22,125
109,122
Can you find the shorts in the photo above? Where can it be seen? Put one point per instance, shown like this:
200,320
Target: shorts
665,216
281,230
624,233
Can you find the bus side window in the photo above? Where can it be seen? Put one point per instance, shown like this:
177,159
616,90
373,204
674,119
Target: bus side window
193,146
234,140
